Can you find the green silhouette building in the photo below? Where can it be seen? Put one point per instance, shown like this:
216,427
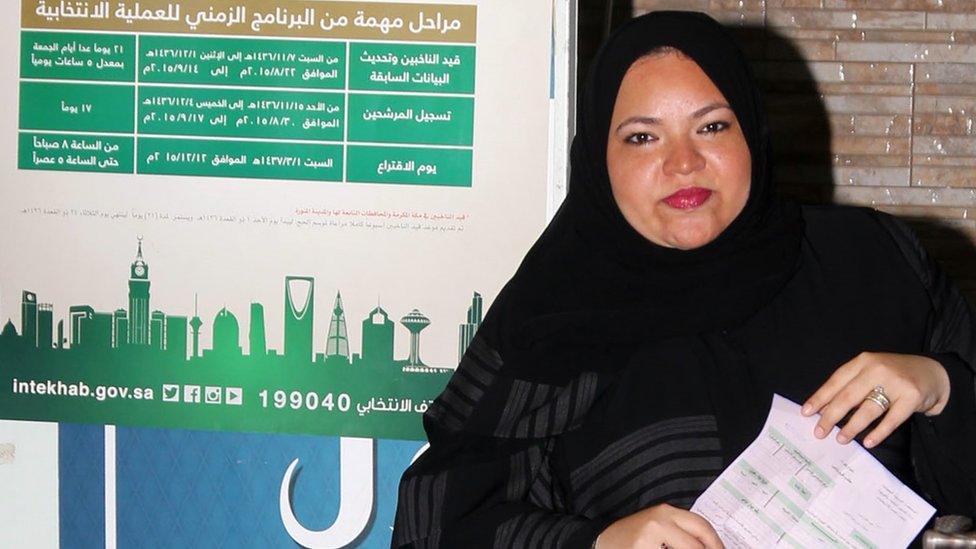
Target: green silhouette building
176,337
79,317
195,324
414,322
377,348
139,300
148,336
98,331
256,338
28,317
120,328
157,330
299,312
45,326
337,344
226,335
466,330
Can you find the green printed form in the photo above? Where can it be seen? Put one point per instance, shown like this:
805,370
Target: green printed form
410,165
273,114
74,152
863,540
77,56
310,105
411,68
242,62
240,159
800,489
812,467
411,119
77,107
776,491
760,514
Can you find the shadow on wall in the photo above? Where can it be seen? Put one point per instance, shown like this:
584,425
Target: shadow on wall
803,157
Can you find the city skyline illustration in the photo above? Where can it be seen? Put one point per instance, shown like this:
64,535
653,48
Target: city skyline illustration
139,329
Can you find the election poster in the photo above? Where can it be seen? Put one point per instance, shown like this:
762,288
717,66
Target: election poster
242,248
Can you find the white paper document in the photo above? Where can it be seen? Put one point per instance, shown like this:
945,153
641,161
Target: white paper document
790,489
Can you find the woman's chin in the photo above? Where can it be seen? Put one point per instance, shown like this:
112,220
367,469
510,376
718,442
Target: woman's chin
686,231
689,238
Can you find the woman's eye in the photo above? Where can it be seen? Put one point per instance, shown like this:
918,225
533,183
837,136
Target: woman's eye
640,138
715,127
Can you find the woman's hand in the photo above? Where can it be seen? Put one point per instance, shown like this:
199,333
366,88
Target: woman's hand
660,526
911,383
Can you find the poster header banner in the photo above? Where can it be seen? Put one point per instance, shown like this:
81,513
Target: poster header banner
292,18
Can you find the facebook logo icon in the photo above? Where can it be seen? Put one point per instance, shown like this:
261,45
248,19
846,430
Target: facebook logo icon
191,393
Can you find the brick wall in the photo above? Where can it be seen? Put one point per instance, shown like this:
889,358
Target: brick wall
872,102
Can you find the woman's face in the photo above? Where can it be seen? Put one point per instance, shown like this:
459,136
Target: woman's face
679,165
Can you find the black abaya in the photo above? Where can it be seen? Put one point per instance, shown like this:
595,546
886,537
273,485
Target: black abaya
612,374
640,436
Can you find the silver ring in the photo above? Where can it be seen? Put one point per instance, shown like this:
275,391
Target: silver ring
877,396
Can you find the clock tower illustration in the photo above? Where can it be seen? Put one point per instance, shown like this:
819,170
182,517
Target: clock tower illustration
139,300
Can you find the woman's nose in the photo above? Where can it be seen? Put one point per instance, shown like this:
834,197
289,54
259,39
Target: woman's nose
683,158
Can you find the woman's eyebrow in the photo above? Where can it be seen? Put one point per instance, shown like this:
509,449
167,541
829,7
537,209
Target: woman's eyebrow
639,119
709,108
652,120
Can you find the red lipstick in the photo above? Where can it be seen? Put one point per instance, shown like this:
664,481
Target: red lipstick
687,199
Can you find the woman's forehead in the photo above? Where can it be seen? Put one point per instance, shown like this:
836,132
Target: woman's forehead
649,79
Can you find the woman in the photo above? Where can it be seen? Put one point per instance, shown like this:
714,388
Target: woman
635,352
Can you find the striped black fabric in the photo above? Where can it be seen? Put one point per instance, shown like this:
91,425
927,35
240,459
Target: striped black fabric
668,460
422,499
513,480
477,372
538,529
534,409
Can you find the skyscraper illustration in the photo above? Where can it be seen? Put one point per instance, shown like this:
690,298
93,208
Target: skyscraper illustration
120,328
139,300
467,329
157,330
299,310
45,325
28,317
195,324
337,344
176,336
415,322
80,316
93,339
257,341
226,334
377,348
98,331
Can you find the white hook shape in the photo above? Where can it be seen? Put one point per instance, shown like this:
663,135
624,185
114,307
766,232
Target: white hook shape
356,494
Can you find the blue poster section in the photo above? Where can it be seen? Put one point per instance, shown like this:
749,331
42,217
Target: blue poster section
178,488
81,486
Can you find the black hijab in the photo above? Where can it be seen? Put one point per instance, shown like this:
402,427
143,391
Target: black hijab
592,291
592,284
